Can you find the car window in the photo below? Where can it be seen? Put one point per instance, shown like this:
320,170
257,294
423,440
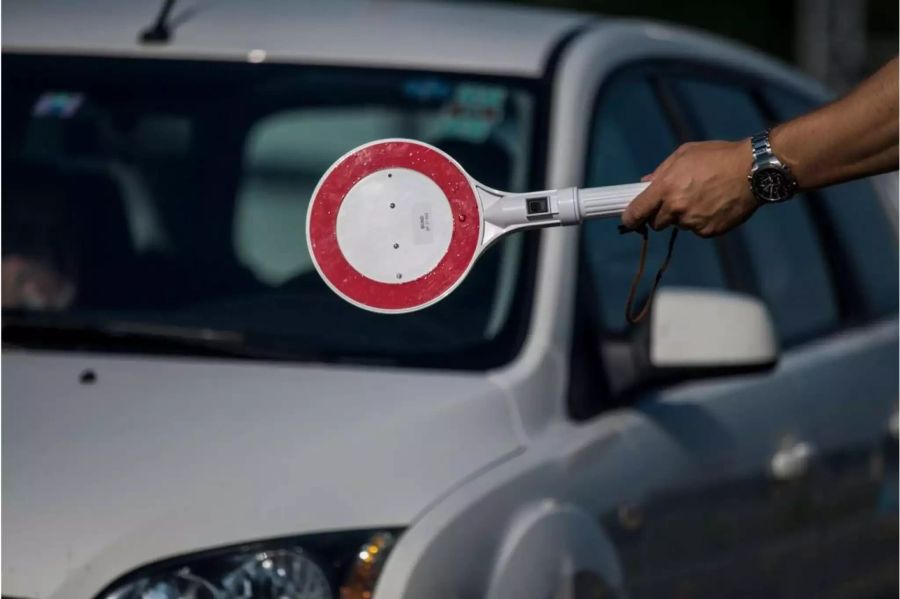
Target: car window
788,267
284,156
868,242
629,137
175,201
866,238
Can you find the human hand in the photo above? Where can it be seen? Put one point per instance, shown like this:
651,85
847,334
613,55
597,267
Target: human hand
701,187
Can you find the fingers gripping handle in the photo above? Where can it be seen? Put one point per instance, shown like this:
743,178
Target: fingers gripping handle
595,202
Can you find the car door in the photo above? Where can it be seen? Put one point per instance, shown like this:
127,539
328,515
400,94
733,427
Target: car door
705,516
856,379
822,265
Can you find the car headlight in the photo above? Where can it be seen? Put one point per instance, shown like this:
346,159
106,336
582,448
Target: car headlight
343,565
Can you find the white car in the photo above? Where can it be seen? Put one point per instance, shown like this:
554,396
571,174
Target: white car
189,411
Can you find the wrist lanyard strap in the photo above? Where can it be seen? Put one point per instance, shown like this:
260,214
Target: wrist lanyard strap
645,242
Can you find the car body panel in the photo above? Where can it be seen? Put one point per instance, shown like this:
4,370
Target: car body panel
159,457
678,443
379,34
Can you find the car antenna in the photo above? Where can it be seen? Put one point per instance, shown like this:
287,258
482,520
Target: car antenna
159,32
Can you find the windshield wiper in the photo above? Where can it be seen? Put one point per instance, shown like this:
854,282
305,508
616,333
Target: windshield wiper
59,333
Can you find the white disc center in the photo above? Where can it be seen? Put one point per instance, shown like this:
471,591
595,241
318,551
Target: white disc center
394,226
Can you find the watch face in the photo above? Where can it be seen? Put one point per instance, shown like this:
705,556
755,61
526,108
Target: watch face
772,184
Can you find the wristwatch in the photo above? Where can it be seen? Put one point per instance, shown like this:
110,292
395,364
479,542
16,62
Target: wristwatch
770,179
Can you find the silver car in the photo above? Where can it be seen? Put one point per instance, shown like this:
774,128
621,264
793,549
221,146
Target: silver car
188,411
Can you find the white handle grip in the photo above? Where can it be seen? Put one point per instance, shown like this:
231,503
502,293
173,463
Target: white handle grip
567,206
595,202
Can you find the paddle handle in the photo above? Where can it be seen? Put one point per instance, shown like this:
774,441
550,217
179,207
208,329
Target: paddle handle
597,202
504,213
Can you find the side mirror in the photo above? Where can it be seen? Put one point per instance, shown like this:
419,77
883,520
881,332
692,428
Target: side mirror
694,331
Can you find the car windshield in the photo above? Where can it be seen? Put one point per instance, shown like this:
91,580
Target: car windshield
155,200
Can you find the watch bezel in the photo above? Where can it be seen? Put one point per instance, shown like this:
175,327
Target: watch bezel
783,171
765,160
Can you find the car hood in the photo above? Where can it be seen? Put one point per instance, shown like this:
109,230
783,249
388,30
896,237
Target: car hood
157,457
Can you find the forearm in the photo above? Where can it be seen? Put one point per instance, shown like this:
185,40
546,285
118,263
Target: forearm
853,137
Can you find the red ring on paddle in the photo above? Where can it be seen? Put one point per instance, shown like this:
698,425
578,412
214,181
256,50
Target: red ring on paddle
347,173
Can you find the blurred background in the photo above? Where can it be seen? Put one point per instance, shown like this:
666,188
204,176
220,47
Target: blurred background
837,41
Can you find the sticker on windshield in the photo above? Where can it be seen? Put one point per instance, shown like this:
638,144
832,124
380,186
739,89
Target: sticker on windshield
427,90
60,105
472,112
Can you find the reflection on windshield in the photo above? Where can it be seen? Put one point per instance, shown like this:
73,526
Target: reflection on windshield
40,246
175,194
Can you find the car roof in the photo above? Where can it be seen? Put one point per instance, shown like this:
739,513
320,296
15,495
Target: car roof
488,39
